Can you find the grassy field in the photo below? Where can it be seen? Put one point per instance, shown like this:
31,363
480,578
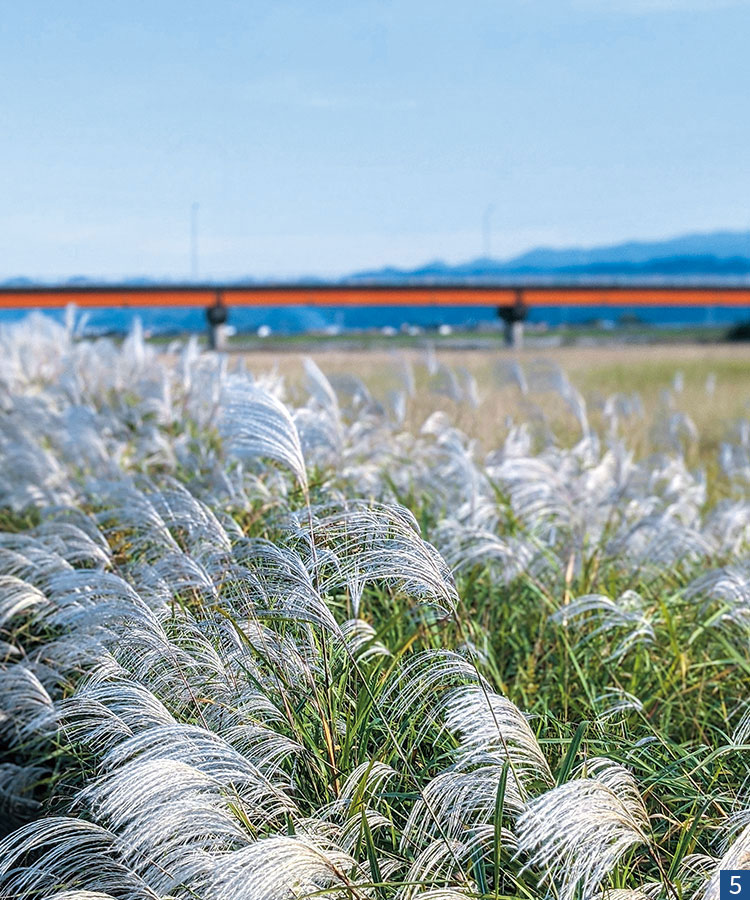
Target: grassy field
713,382
417,625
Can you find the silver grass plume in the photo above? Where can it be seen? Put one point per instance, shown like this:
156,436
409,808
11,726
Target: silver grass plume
418,688
627,613
27,711
647,892
17,598
361,640
257,425
615,702
444,862
465,547
493,736
455,803
319,423
101,714
79,895
575,833
73,853
729,586
441,894
277,583
362,795
284,868
377,542
736,857
491,728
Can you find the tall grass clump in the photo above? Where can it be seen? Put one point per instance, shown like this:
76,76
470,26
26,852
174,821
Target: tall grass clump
267,641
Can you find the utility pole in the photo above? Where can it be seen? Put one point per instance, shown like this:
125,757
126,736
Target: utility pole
194,242
487,230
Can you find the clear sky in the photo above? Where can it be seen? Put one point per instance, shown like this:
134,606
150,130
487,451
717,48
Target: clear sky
322,137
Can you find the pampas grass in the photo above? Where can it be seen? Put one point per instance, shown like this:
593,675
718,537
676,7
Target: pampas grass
265,644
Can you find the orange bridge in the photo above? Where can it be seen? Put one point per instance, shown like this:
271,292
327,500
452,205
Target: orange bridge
501,296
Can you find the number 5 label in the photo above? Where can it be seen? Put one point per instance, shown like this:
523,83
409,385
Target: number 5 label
734,884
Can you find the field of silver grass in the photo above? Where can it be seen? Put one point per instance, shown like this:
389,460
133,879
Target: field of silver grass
260,641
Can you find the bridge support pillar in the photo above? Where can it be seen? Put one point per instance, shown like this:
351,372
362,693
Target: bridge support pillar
216,317
514,317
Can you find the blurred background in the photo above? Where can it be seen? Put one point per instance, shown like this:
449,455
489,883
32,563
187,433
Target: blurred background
496,143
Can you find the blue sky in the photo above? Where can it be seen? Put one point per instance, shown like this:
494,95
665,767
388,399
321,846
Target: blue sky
322,137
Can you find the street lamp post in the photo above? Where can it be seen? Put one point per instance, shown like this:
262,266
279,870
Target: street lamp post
194,242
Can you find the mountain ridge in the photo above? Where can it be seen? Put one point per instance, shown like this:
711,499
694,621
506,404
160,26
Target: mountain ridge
719,254
714,253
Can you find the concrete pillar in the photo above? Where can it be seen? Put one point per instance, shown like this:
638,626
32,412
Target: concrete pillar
217,338
513,332
216,317
513,318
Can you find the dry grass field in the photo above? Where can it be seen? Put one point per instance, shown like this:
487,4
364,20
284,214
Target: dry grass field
708,382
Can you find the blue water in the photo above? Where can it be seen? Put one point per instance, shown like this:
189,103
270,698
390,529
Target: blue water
294,320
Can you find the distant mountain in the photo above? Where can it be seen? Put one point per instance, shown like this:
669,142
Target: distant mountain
721,253
18,282
717,255
719,244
